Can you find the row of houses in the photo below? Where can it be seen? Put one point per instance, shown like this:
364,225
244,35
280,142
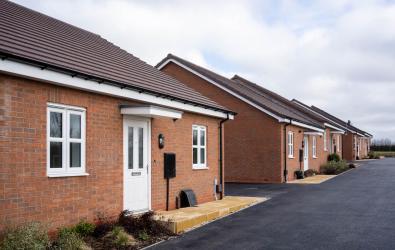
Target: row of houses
85,127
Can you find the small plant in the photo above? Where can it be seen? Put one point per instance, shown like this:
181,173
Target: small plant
84,228
121,238
334,167
103,226
143,236
28,236
145,222
69,239
333,157
310,172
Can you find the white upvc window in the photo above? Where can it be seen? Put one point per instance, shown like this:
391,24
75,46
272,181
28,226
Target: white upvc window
65,140
199,147
325,142
314,147
338,143
290,145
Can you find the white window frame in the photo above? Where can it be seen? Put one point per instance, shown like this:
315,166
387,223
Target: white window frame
200,165
314,147
338,143
290,144
66,170
325,141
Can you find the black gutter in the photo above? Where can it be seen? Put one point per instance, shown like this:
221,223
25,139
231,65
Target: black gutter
285,149
221,162
100,80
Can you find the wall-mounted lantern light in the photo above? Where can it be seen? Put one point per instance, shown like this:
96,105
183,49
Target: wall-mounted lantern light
161,141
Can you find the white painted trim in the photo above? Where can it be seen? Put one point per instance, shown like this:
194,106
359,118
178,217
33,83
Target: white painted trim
291,144
66,170
32,72
152,111
199,165
313,133
337,132
333,127
307,126
221,87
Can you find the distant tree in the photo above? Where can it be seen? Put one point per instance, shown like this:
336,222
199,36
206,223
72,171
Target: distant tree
383,144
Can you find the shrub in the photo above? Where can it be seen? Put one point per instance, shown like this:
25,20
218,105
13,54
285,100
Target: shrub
310,172
373,155
103,226
334,167
84,228
121,238
351,165
68,239
28,236
333,157
143,236
145,222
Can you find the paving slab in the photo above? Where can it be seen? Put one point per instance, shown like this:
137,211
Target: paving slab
316,179
183,219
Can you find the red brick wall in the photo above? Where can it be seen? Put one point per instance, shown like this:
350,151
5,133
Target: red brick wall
26,193
252,140
348,147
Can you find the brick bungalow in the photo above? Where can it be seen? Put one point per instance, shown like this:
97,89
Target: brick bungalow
262,144
356,142
85,125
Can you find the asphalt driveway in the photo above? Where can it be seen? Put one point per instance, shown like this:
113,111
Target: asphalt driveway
355,210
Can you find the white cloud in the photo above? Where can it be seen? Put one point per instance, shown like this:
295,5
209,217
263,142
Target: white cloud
339,55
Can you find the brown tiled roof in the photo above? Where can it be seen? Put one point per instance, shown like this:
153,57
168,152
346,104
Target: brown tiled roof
254,93
346,125
33,37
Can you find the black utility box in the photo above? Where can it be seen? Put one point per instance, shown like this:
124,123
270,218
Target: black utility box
170,165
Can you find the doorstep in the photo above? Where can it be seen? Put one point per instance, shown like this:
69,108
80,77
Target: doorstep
316,179
182,219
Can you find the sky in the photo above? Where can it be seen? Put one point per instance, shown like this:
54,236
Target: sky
336,55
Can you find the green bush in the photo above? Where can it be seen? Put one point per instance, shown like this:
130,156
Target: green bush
121,238
84,228
333,157
28,236
334,167
68,239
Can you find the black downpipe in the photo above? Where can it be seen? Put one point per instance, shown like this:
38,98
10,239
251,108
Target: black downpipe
221,162
285,150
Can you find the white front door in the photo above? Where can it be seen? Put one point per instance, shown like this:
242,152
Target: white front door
136,172
306,153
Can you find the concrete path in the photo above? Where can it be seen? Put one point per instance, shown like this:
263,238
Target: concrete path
355,210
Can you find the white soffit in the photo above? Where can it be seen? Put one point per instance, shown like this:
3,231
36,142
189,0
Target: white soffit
151,111
313,133
337,132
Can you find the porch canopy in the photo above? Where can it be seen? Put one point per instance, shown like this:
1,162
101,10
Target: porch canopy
150,111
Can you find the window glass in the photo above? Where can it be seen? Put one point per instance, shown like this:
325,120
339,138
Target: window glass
195,136
130,147
75,126
75,155
55,152
202,155
56,125
202,137
140,147
195,152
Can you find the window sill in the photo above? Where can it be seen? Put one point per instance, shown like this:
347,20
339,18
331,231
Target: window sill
315,157
199,168
57,175
291,157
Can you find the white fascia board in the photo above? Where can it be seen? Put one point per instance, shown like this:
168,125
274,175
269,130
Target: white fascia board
53,77
333,127
313,133
152,111
337,132
278,118
299,124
